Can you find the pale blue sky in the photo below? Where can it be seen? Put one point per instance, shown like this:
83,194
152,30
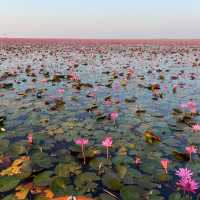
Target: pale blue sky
100,18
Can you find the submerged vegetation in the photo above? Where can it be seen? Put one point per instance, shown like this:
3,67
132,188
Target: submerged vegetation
99,120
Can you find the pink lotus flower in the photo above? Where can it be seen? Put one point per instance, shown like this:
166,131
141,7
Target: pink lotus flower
82,142
183,105
165,88
30,138
138,161
61,91
165,164
73,77
114,116
107,142
44,81
192,106
188,185
130,72
196,128
191,149
184,173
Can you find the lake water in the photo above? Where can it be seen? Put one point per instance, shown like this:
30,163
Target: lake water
56,91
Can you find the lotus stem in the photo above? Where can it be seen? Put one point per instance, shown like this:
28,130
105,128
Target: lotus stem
107,152
83,153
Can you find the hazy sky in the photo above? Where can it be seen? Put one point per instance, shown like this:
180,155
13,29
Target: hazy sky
100,18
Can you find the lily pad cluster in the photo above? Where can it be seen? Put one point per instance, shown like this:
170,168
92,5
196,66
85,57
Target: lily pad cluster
141,102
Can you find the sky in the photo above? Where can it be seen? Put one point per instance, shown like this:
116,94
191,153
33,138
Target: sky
100,18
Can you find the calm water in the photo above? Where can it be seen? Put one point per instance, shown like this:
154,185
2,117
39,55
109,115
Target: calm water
32,74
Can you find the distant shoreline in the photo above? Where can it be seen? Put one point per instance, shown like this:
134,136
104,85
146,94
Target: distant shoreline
102,41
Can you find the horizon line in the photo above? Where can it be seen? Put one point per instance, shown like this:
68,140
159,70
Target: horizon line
80,38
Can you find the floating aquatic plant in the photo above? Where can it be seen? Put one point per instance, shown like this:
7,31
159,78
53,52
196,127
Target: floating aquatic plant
82,142
107,143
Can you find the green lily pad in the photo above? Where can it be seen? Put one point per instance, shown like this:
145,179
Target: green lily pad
64,170
42,160
130,193
176,196
8,183
155,195
145,182
40,197
96,162
10,197
43,179
26,170
4,145
121,170
18,148
90,153
60,186
86,182
64,156
112,181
